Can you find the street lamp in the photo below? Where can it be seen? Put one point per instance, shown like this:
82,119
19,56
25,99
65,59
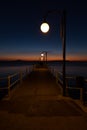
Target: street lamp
45,28
42,57
44,54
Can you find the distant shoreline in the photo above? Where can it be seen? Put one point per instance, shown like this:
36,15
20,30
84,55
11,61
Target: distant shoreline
21,62
38,60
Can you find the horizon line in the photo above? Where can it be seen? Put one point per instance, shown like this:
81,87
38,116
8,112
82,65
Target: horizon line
42,61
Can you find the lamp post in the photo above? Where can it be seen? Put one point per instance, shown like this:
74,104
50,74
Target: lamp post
44,53
42,57
45,28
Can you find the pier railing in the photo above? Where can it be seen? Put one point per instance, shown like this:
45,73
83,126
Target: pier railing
73,90
9,82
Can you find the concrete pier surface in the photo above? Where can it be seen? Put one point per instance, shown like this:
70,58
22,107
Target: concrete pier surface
37,104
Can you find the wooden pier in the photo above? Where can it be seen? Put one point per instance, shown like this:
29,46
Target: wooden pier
38,104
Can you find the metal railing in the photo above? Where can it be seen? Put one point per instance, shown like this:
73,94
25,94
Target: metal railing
8,83
58,76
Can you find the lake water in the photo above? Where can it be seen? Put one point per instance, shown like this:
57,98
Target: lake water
8,70
72,68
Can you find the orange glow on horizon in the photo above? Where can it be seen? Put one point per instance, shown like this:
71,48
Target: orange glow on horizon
37,57
76,58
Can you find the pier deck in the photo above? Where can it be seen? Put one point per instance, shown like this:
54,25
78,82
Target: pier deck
38,104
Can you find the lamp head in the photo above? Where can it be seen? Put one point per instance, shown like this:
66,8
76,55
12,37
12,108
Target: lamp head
42,54
44,27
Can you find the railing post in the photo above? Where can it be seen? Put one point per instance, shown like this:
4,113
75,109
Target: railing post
9,86
57,76
80,84
53,71
26,71
81,94
66,90
20,76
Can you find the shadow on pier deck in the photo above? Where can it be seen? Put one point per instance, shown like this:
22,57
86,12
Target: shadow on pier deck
38,104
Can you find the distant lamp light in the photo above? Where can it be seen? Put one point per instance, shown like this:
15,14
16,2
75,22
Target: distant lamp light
42,54
44,27
42,58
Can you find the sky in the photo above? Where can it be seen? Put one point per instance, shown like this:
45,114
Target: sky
21,38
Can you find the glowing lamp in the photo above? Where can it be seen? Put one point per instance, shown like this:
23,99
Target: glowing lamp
42,54
44,27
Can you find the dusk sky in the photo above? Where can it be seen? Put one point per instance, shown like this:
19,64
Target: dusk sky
21,38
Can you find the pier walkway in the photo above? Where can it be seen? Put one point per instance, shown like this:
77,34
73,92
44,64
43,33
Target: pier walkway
37,104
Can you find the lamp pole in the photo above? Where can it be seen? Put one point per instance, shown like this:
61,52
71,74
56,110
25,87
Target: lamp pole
64,51
45,28
45,55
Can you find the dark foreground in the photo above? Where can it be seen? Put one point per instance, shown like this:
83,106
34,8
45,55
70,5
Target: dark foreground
37,104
